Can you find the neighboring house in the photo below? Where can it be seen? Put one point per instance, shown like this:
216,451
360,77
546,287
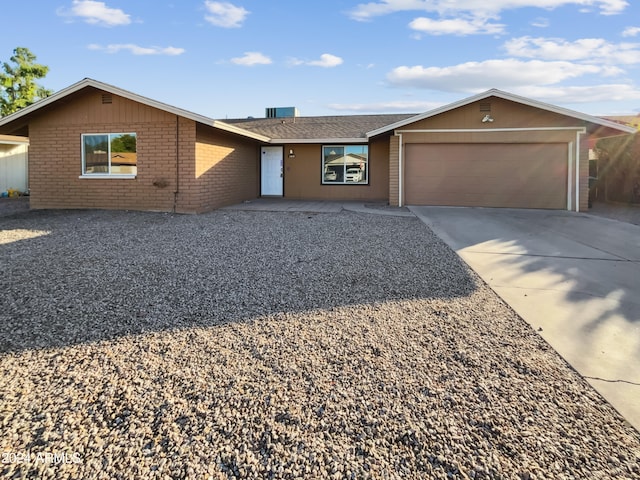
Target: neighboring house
629,120
14,152
93,145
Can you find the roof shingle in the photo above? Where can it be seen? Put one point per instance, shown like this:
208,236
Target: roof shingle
325,127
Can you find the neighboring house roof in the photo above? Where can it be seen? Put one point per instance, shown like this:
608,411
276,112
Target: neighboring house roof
326,129
507,96
630,120
88,82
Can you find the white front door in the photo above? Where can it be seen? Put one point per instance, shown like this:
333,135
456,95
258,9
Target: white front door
271,171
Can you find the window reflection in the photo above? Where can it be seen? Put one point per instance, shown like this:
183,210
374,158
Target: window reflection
114,154
123,153
345,164
96,153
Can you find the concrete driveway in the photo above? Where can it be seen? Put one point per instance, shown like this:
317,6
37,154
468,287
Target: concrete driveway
575,278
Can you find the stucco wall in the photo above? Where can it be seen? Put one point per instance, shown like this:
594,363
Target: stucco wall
303,175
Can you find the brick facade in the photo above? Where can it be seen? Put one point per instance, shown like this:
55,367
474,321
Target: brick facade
189,163
181,166
226,170
394,160
584,173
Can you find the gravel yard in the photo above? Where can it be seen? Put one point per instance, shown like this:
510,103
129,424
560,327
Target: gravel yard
277,345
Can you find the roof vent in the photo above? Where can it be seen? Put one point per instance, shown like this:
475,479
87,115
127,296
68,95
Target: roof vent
281,112
485,107
107,98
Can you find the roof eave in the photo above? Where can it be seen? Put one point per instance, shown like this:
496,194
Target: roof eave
560,110
494,92
239,131
332,140
89,82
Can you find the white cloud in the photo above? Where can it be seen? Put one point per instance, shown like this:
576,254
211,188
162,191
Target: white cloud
136,49
479,76
326,60
252,58
224,14
96,13
591,50
480,8
581,94
631,31
540,22
456,26
381,107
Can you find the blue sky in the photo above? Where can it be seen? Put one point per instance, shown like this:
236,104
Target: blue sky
233,59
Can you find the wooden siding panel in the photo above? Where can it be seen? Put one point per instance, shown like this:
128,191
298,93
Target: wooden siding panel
86,108
505,113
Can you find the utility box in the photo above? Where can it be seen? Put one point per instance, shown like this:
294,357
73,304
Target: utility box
281,112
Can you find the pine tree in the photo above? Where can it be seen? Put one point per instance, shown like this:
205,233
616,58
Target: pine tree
18,87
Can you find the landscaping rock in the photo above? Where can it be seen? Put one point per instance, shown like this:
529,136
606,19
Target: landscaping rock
277,345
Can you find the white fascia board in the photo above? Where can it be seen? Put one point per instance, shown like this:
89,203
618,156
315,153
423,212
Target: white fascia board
89,82
507,96
178,111
485,130
562,111
44,102
13,140
325,141
240,131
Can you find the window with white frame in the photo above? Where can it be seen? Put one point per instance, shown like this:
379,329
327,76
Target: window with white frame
109,154
345,164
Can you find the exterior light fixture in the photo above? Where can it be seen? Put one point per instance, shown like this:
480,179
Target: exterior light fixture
487,118
291,153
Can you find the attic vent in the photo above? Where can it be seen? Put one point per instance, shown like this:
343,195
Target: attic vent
485,107
107,98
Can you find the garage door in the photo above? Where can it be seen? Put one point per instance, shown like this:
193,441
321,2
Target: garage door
523,175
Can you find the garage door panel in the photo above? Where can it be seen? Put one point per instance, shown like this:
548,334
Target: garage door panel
491,175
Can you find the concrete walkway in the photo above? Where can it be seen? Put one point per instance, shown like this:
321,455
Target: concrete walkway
575,278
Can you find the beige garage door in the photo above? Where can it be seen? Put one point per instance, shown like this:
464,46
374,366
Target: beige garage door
523,175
